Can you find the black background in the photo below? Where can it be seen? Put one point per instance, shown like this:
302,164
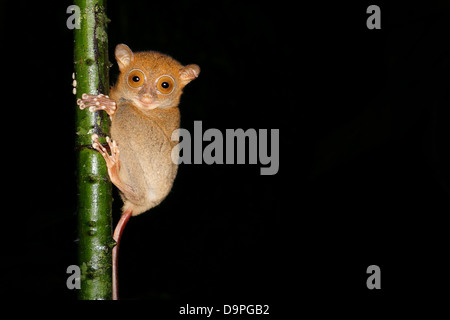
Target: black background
363,175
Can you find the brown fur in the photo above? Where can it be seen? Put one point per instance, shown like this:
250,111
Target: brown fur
143,130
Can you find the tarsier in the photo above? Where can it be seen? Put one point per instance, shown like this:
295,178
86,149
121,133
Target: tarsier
143,106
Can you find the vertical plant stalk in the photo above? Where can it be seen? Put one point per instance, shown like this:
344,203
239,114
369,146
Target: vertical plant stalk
94,188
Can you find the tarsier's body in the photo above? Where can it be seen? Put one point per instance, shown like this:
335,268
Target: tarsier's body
145,153
143,106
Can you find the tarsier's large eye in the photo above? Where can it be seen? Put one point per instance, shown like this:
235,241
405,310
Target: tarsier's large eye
136,78
165,84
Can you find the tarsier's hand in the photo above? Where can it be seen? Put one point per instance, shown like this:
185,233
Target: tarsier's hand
97,102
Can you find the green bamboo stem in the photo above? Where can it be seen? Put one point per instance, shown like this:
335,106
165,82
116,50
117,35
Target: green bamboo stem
94,188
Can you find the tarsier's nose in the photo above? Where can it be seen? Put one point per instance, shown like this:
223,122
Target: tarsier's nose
147,98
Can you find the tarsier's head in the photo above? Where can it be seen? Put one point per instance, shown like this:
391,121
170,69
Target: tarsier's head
151,79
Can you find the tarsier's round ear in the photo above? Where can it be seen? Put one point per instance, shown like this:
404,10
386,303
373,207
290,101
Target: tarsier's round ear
124,56
189,73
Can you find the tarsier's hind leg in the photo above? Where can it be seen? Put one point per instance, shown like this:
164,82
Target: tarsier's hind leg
113,165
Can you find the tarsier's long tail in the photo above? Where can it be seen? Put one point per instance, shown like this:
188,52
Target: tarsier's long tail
115,253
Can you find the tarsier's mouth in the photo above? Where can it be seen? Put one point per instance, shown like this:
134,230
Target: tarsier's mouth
146,105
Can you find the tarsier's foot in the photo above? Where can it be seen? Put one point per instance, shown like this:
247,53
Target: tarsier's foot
112,161
96,103
113,164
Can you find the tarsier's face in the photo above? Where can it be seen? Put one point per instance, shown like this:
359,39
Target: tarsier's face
151,79
150,94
